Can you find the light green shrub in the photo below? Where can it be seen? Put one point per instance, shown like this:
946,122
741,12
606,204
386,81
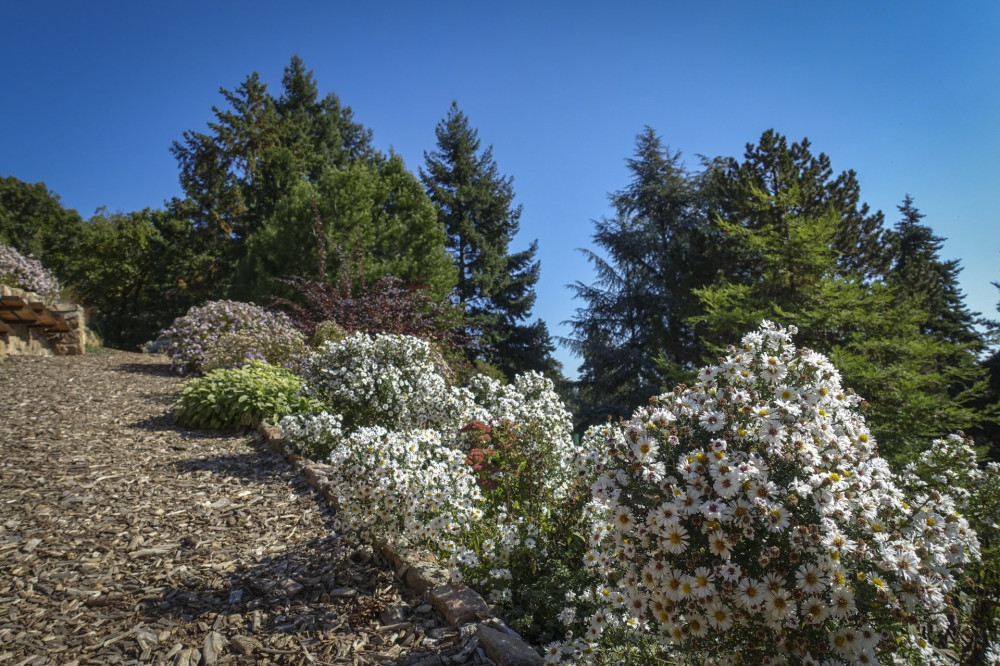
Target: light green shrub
241,398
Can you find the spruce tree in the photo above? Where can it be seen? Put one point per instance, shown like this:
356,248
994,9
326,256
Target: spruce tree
917,270
475,204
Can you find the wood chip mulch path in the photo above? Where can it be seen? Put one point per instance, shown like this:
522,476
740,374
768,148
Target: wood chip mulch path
125,539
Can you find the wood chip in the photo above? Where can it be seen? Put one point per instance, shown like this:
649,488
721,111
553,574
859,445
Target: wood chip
125,539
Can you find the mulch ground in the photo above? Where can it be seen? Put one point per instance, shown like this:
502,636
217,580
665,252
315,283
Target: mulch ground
125,539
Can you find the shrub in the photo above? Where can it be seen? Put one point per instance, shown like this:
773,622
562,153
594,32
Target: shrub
26,273
748,519
409,488
241,397
227,334
393,381
487,477
949,467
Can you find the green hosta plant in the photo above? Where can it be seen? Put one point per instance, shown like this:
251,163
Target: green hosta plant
241,397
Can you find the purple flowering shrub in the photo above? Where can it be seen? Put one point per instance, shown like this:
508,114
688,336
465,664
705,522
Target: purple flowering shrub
26,273
230,334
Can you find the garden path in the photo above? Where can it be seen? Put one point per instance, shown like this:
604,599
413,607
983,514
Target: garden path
125,539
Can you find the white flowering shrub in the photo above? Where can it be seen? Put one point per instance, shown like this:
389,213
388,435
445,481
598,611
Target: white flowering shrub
229,334
535,423
393,381
748,519
949,467
486,477
520,445
314,435
409,489
26,273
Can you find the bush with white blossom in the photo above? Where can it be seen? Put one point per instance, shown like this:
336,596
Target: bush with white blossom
229,334
394,381
749,519
27,273
471,474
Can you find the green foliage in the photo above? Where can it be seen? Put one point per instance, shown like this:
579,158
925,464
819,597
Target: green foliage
327,331
516,463
798,184
241,397
637,310
476,207
136,272
870,333
33,220
255,151
376,208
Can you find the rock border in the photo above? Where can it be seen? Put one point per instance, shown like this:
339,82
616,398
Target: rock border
458,603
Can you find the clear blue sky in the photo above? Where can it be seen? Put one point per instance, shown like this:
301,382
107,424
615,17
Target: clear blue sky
905,93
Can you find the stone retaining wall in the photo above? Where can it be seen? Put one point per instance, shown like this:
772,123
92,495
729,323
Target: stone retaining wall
30,326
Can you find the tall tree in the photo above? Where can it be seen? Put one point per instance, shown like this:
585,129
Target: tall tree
257,148
634,334
917,270
776,180
872,333
34,221
377,209
476,206
137,272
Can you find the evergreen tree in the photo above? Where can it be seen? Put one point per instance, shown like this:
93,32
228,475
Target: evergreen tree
634,335
377,210
776,180
917,270
475,204
256,150
870,331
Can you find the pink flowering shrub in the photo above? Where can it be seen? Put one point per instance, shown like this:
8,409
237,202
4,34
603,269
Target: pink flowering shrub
26,273
749,519
229,334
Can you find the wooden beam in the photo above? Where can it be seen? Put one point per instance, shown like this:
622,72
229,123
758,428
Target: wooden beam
21,315
11,302
42,316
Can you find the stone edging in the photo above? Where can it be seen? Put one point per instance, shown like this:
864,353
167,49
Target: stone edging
458,603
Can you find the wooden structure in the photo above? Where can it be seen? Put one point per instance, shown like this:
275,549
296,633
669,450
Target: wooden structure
29,325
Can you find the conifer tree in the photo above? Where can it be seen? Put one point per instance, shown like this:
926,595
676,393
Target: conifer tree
475,203
255,150
871,332
634,333
759,192
918,270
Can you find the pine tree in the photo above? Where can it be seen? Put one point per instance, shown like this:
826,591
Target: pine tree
475,203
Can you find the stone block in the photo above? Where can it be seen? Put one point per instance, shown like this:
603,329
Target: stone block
505,649
459,604
422,576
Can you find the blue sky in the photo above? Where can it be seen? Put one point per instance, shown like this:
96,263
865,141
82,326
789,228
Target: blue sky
904,93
